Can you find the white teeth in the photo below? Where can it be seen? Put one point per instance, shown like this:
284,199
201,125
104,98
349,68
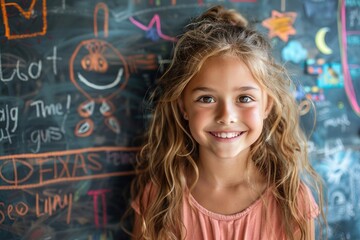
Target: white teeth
227,134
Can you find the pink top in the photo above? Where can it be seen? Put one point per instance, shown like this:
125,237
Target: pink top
251,223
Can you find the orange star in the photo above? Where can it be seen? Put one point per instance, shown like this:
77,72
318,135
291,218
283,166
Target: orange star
280,24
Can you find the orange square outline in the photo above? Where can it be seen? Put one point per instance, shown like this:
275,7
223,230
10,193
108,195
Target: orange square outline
6,23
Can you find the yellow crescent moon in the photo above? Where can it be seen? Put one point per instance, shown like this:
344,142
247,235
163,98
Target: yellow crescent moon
320,41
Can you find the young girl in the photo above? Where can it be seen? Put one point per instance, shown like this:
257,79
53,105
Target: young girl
224,155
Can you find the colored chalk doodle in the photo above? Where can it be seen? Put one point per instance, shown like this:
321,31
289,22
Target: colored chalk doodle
294,52
331,76
100,72
153,30
314,66
313,93
321,42
31,20
90,65
281,24
347,29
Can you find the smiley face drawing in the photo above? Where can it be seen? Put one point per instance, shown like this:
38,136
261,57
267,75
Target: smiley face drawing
99,72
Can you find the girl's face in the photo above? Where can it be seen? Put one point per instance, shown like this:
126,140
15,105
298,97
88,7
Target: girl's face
225,108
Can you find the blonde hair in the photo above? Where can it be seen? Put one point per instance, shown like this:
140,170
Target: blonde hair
280,152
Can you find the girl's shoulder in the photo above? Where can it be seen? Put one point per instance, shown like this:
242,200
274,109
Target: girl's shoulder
306,205
306,202
143,198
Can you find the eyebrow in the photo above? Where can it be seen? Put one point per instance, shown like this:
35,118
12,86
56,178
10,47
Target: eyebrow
206,89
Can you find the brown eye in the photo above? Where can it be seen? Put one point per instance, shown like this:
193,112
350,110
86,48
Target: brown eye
206,99
245,99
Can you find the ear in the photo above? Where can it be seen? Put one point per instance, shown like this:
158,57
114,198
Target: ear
182,108
269,106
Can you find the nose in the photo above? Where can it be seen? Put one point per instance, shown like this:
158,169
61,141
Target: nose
226,113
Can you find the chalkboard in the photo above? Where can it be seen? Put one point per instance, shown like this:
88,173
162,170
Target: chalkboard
74,76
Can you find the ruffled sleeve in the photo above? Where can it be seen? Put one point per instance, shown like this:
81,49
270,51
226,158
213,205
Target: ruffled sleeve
149,193
307,203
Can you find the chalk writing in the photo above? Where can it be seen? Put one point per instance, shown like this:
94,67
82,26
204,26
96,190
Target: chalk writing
54,58
96,194
32,70
13,211
342,121
44,206
34,170
47,135
50,204
352,3
338,167
332,147
355,17
8,122
53,109
353,40
120,158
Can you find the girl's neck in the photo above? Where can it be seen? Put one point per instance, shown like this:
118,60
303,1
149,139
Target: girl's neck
228,173
227,186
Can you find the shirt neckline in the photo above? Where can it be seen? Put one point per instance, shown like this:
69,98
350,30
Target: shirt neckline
258,202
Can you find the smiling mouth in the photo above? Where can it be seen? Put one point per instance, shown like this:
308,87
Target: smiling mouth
102,87
226,135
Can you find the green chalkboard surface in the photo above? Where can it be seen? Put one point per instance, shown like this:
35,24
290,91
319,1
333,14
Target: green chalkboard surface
74,78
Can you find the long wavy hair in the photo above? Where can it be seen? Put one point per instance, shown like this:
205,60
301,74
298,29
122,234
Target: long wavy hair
170,151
